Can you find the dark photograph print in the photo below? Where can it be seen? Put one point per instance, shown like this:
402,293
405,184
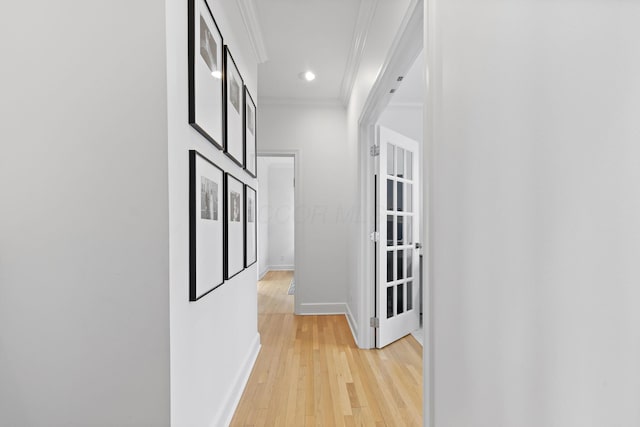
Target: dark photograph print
250,120
209,199
234,94
235,207
250,210
208,47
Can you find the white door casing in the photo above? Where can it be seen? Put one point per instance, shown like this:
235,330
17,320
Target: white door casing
397,281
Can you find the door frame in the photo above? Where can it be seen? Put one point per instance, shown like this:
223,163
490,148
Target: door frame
404,50
297,231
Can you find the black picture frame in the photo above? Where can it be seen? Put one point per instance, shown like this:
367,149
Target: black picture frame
250,133
250,226
206,63
233,110
206,226
234,214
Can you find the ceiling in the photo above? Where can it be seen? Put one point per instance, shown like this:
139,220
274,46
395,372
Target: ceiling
300,35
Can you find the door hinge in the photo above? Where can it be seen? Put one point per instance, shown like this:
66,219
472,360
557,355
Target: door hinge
374,236
374,150
374,322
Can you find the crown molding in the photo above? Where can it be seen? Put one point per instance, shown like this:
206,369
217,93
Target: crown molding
363,24
309,102
406,105
250,18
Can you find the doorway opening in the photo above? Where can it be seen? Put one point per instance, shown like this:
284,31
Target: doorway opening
276,227
402,74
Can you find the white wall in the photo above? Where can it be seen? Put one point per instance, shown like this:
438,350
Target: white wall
263,215
84,235
405,120
323,208
535,208
281,216
213,340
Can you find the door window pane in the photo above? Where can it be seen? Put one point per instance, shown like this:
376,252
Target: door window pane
390,302
400,300
390,187
400,265
400,229
409,236
389,230
409,295
390,159
390,266
400,197
409,262
409,165
400,157
409,197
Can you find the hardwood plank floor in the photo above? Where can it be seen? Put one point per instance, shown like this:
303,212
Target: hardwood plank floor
311,373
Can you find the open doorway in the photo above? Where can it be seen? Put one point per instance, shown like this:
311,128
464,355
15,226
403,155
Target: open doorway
276,229
384,295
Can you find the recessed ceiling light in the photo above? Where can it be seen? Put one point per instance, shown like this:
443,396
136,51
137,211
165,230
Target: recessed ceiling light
307,75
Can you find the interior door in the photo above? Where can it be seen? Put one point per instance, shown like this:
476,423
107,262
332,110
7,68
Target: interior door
397,284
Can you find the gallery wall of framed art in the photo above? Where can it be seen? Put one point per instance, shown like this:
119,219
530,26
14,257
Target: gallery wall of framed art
222,206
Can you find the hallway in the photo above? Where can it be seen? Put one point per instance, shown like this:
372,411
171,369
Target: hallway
311,373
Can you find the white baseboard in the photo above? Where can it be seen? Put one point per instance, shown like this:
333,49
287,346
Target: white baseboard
322,308
262,274
235,393
280,267
352,324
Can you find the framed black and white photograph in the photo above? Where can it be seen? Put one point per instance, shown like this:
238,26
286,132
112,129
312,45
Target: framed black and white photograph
206,101
250,229
233,110
234,230
250,140
206,226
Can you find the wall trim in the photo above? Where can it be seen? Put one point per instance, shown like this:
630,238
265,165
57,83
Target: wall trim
366,13
353,325
263,273
311,102
322,308
406,105
235,393
249,15
281,268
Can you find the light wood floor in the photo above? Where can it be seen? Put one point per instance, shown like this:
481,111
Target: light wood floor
311,373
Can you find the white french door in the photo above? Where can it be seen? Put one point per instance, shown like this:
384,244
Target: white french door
397,258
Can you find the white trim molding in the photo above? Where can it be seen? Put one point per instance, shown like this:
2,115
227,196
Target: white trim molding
280,268
353,325
363,24
234,395
322,308
310,102
250,18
